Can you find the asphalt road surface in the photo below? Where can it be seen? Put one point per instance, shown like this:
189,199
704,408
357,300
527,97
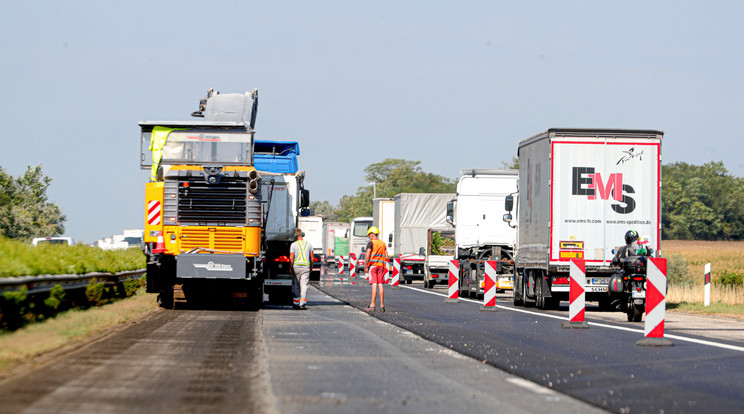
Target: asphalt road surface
601,365
420,356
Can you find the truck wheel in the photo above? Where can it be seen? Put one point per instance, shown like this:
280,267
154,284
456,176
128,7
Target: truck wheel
165,297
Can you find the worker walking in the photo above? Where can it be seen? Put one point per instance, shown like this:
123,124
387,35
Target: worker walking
301,257
376,266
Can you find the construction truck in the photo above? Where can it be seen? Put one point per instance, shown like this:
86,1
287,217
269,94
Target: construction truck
211,217
480,232
580,191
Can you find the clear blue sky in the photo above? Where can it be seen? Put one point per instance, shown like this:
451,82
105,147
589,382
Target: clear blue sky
455,85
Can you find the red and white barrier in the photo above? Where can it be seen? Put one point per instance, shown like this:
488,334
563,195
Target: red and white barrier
453,294
352,265
396,272
576,295
340,265
489,286
656,284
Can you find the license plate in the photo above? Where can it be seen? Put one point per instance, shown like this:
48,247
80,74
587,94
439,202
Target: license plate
639,295
601,281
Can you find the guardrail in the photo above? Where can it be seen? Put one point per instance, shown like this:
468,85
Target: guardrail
45,283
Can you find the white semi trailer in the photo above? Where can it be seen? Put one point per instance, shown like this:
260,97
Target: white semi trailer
580,190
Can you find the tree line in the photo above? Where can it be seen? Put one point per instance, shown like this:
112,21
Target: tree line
699,202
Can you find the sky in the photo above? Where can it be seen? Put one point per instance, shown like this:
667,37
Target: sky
455,85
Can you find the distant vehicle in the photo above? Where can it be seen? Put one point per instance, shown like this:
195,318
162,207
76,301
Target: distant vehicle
134,237
335,235
415,214
440,249
580,191
358,235
312,226
480,232
53,240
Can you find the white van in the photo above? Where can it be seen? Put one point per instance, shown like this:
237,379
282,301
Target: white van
53,240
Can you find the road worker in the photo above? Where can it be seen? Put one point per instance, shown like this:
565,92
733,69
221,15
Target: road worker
376,266
301,257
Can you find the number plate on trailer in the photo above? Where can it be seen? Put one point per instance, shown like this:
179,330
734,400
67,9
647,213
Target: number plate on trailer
639,295
600,281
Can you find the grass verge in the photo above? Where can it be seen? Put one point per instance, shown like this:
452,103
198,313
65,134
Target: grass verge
68,329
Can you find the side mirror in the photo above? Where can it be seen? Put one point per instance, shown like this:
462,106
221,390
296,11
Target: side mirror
390,238
422,251
509,204
305,212
450,211
304,198
508,217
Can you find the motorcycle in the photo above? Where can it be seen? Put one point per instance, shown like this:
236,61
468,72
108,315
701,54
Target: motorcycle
628,288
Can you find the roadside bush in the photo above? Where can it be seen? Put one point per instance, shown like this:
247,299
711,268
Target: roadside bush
678,271
22,259
19,308
730,279
56,298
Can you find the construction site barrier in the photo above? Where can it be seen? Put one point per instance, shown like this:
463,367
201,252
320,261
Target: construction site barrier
352,265
453,294
576,295
489,286
656,284
396,272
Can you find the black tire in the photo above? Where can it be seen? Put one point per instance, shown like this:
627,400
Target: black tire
518,298
165,298
636,313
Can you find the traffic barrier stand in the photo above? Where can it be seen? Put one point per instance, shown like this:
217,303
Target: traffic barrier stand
386,278
576,296
707,285
453,294
352,265
395,280
489,286
340,265
656,284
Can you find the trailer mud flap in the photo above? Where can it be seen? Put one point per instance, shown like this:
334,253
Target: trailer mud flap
211,266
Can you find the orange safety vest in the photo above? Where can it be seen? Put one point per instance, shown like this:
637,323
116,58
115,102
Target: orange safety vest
378,255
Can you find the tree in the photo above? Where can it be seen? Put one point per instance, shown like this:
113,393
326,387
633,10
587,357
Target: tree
702,202
24,210
511,165
325,209
392,176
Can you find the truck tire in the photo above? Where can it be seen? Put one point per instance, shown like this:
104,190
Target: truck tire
165,297
518,293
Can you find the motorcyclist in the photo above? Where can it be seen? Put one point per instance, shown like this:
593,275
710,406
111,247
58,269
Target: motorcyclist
631,248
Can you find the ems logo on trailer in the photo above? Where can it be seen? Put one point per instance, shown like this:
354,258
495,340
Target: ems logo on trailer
153,212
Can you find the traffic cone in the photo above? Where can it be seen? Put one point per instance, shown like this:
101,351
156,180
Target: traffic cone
160,245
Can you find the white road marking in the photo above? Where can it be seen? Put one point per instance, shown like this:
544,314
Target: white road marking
620,328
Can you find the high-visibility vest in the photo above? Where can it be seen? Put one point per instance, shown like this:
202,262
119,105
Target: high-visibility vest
301,258
378,255
158,139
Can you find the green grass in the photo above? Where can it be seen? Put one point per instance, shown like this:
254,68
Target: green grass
22,259
715,308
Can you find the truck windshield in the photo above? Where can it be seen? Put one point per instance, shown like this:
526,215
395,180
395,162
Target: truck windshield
360,228
194,146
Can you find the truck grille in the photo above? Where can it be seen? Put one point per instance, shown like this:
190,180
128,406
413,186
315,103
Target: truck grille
229,239
222,204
